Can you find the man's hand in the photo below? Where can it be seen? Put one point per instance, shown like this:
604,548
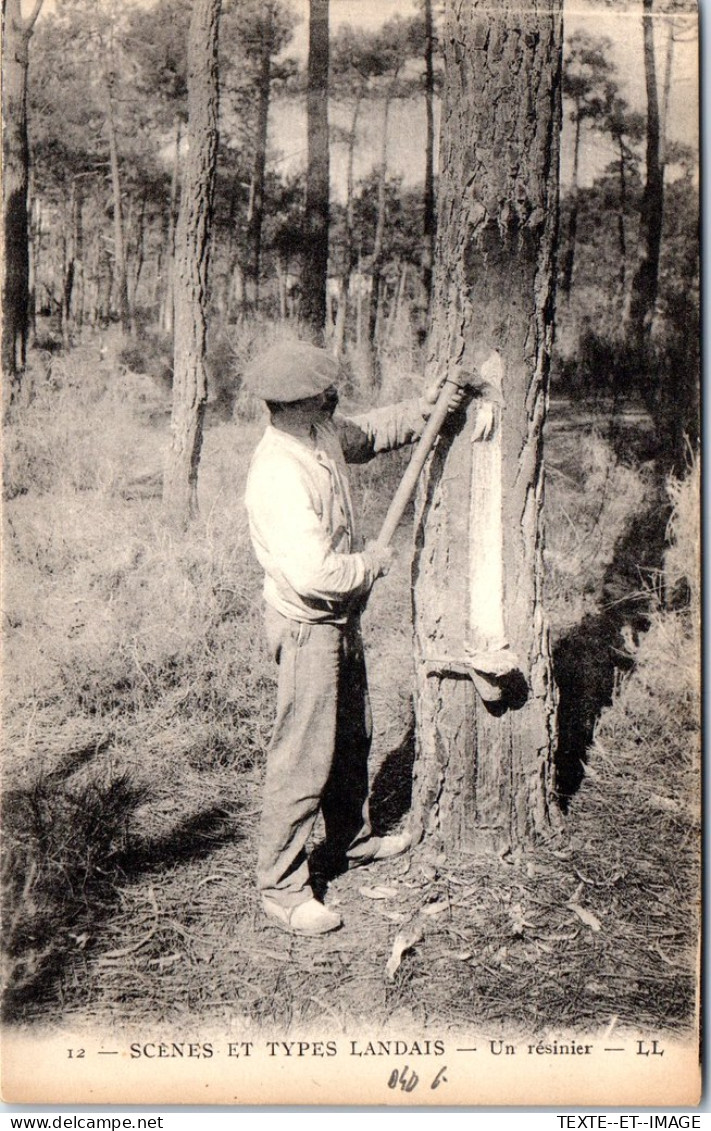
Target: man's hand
457,397
379,558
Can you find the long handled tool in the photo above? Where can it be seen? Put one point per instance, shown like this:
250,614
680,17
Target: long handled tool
486,658
424,446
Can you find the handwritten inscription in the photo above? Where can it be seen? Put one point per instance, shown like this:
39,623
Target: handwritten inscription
407,1079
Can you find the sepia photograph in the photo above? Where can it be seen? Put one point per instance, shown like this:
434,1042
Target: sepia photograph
351,558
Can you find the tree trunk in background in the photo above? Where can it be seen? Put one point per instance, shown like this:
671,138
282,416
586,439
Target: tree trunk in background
34,244
314,270
379,239
169,251
622,211
673,398
120,273
645,283
255,219
430,223
192,249
79,303
14,253
72,271
104,285
566,280
140,252
484,775
666,96
397,304
349,251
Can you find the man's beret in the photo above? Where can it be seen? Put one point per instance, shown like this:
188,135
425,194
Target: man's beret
291,371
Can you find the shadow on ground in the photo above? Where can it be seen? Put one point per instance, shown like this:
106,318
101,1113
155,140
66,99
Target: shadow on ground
391,792
194,838
390,800
588,659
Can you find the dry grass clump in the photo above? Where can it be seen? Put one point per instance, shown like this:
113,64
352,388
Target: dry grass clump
78,432
682,563
591,497
122,611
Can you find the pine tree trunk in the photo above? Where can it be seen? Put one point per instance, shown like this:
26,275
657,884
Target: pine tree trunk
169,247
645,283
120,273
105,285
484,774
72,264
339,330
429,225
256,213
566,280
34,244
192,248
666,96
281,268
621,236
379,238
79,301
14,254
349,251
314,272
140,252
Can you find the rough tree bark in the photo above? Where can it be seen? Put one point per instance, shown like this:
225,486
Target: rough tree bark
484,775
192,249
14,253
314,270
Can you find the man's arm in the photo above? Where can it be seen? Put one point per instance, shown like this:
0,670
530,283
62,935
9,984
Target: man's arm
381,429
292,542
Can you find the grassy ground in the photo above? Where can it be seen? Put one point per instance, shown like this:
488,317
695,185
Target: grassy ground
137,711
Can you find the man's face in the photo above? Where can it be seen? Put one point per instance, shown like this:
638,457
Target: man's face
325,404
309,412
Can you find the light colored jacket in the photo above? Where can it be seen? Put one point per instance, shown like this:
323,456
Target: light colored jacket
301,515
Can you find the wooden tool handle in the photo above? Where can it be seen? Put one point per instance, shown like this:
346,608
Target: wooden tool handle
424,446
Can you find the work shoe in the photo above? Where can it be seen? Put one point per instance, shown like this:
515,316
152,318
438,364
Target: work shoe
307,918
382,848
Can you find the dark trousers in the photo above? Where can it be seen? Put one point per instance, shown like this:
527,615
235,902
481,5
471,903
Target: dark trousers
318,754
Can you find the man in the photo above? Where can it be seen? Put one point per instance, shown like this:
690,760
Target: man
317,576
